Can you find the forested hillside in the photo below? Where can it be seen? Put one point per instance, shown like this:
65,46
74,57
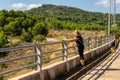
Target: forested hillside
75,15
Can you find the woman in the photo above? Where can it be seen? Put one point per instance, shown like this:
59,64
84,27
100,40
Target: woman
80,45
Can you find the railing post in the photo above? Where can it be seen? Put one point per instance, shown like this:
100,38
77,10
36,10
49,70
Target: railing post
97,41
90,43
105,39
113,37
102,40
109,38
38,57
64,50
85,43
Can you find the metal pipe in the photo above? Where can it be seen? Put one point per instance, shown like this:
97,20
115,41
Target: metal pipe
114,17
18,58
109,11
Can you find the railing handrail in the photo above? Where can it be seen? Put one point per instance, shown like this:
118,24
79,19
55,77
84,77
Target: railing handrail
38,51
17,47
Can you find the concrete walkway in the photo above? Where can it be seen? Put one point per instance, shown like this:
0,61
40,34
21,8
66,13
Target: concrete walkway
108,69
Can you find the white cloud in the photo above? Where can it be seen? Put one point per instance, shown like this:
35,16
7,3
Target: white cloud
18,5
118,1
102,3
105,3
22,6
30,6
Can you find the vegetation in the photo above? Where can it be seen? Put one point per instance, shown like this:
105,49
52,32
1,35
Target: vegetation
3,39
1,78
18,23
39,21
48,20
26,36
3,65
116,31
39,38
69,18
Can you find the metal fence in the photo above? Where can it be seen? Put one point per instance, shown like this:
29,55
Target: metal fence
39,51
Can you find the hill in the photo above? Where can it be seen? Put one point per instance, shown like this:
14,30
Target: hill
64,13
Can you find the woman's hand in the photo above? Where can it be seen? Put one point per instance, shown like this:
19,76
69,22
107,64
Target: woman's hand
74,39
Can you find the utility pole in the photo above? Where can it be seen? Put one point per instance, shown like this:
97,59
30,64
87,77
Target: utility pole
109,12
114,17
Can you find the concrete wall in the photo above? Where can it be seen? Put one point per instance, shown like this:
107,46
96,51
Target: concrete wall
50,72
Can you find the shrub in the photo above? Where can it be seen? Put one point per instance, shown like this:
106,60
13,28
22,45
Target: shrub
3,65
39,38
115,31
40,29
3,39
26,36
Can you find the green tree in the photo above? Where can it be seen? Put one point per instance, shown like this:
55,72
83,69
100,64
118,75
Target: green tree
40,28
13,28
9,19
26,36
3,15
3,39
27,23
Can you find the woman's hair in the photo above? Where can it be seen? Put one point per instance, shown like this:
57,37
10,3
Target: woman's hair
76,31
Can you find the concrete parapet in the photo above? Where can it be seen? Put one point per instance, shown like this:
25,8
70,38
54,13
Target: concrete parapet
51,71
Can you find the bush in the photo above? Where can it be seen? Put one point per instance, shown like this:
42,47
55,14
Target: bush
115,31
26,36
3,65
39,38
40,29
3,39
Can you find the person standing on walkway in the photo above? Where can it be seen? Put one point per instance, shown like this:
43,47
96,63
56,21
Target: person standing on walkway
80,45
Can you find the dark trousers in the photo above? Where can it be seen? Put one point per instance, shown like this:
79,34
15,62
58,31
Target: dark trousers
80,51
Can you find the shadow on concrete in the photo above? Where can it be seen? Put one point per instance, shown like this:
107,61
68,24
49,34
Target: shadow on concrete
106,65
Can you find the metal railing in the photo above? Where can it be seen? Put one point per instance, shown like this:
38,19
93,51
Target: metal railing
39,51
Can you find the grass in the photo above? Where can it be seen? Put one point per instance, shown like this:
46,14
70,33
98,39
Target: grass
3,65
65,34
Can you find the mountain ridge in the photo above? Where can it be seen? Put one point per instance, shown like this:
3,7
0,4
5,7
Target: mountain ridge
70,13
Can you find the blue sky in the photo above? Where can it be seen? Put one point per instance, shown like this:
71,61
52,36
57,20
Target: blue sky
89,5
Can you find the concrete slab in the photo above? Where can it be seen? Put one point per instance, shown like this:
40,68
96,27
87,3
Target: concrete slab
108,69
113,72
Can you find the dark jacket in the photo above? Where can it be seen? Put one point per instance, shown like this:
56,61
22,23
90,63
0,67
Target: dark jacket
80,42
